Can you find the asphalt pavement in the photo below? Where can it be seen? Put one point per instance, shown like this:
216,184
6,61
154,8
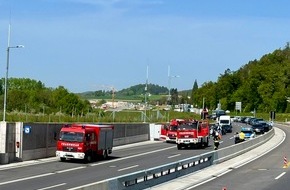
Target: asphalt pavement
210,173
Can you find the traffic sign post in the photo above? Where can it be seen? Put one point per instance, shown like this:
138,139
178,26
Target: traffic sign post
239,106
272,115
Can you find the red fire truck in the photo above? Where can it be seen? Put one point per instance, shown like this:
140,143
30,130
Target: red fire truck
169,132
85,141
195,133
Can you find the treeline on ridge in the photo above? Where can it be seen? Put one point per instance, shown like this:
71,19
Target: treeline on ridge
31,96
261,85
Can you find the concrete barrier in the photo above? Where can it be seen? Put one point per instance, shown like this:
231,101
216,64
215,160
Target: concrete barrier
4,158
130,140
237,149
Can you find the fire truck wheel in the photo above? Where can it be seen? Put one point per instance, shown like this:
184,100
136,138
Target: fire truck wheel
178,146
88,157
206,143
105,155
62,159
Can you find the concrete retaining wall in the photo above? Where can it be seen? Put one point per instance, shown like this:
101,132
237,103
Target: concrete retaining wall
38,140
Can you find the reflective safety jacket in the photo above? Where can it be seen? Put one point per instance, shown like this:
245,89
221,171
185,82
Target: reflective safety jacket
242,136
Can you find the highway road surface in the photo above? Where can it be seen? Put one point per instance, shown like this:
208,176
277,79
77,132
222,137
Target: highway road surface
264,173
263,168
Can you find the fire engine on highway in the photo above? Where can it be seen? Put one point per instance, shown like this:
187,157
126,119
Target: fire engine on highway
169,132
85,141
194,133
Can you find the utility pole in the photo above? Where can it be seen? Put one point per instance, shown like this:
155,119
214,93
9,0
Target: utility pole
146,88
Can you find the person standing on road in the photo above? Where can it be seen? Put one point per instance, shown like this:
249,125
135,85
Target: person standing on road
216,139
237,137
242,136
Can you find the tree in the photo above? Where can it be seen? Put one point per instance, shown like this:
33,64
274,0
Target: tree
193,92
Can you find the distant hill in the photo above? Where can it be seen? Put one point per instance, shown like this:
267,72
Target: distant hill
131,92
140,89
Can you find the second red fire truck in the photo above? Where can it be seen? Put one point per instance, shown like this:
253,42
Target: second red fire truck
169,131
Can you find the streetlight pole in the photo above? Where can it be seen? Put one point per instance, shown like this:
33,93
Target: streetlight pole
146,86
169,83
6,79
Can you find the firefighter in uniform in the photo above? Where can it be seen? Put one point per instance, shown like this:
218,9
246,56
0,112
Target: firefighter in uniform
237,137
216,139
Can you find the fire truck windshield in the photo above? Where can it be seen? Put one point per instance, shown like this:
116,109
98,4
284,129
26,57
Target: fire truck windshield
71,136
188,126
173,128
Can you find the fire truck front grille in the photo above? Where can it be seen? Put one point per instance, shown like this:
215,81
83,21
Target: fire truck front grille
69,149
186,136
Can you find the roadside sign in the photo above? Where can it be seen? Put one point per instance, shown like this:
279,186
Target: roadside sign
27,129
272,115
239,106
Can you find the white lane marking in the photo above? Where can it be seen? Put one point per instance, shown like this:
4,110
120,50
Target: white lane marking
26,178
27,163
223,173
128,168
174,156
88,185
43,175
208,180
279,176
133,156
71,169
50,187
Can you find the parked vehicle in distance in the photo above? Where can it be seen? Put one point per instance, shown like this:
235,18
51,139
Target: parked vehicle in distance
225,123
247,119
85,142
249,132
236,119
250,120
217,113
266,125
258,128
242,120
255,120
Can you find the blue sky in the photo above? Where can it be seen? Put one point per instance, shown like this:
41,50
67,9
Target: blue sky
84,45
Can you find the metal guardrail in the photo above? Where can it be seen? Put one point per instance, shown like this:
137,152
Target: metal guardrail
235,150
154,176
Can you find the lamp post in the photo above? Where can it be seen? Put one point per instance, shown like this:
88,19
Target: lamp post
169,82
6,79
146,88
